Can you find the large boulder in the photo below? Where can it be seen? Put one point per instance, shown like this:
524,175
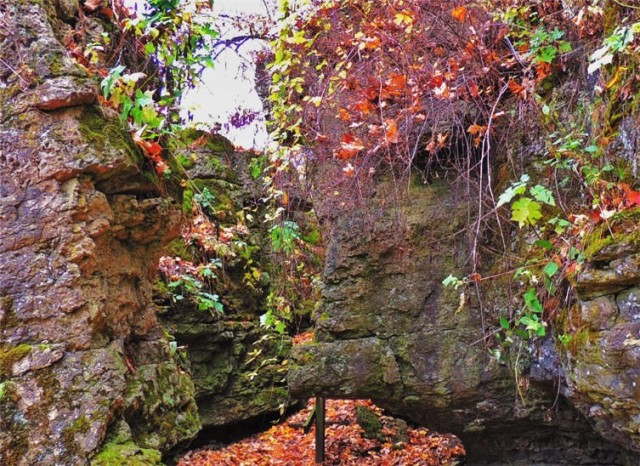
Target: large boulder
388,330
86,372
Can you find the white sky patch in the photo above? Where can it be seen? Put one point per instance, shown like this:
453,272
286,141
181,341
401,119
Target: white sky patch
230,86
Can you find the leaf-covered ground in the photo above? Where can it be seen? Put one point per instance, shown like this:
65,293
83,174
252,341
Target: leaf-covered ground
287,444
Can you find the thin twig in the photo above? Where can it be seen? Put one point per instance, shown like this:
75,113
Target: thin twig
486,147
624,5
14,71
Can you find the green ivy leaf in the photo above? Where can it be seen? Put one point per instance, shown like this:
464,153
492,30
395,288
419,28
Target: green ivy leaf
451,281
564,46
516,188
532,302
551,269
504,323
560,225
543,243
542,194
108,82
525,211
547,54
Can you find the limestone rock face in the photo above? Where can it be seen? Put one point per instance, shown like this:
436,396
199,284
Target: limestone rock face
603,363
82,357
231,385
388,330
235,363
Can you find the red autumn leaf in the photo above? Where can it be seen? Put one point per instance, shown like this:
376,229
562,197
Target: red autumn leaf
372,91
287,443
350,145
633,197
595,216
107,12
542,71
474,90
453,64
154,148
436,80
390,131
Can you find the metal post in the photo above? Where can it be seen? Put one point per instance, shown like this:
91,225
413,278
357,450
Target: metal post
320,404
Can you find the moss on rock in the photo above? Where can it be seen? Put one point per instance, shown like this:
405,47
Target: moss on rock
10,355
102,132
370,423
117,454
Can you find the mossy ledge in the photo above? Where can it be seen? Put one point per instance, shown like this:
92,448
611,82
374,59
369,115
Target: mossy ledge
10,355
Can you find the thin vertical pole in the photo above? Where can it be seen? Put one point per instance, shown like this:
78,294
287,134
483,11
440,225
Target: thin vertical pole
320,404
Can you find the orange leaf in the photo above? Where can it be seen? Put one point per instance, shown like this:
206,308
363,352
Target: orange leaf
390,131
350,145
396,83
459,14
365,107
372,42
344,114
516,88
542,71
572,268
475,129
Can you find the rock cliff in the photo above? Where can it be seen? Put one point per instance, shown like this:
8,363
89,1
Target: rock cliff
86,372
236,364
387,328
